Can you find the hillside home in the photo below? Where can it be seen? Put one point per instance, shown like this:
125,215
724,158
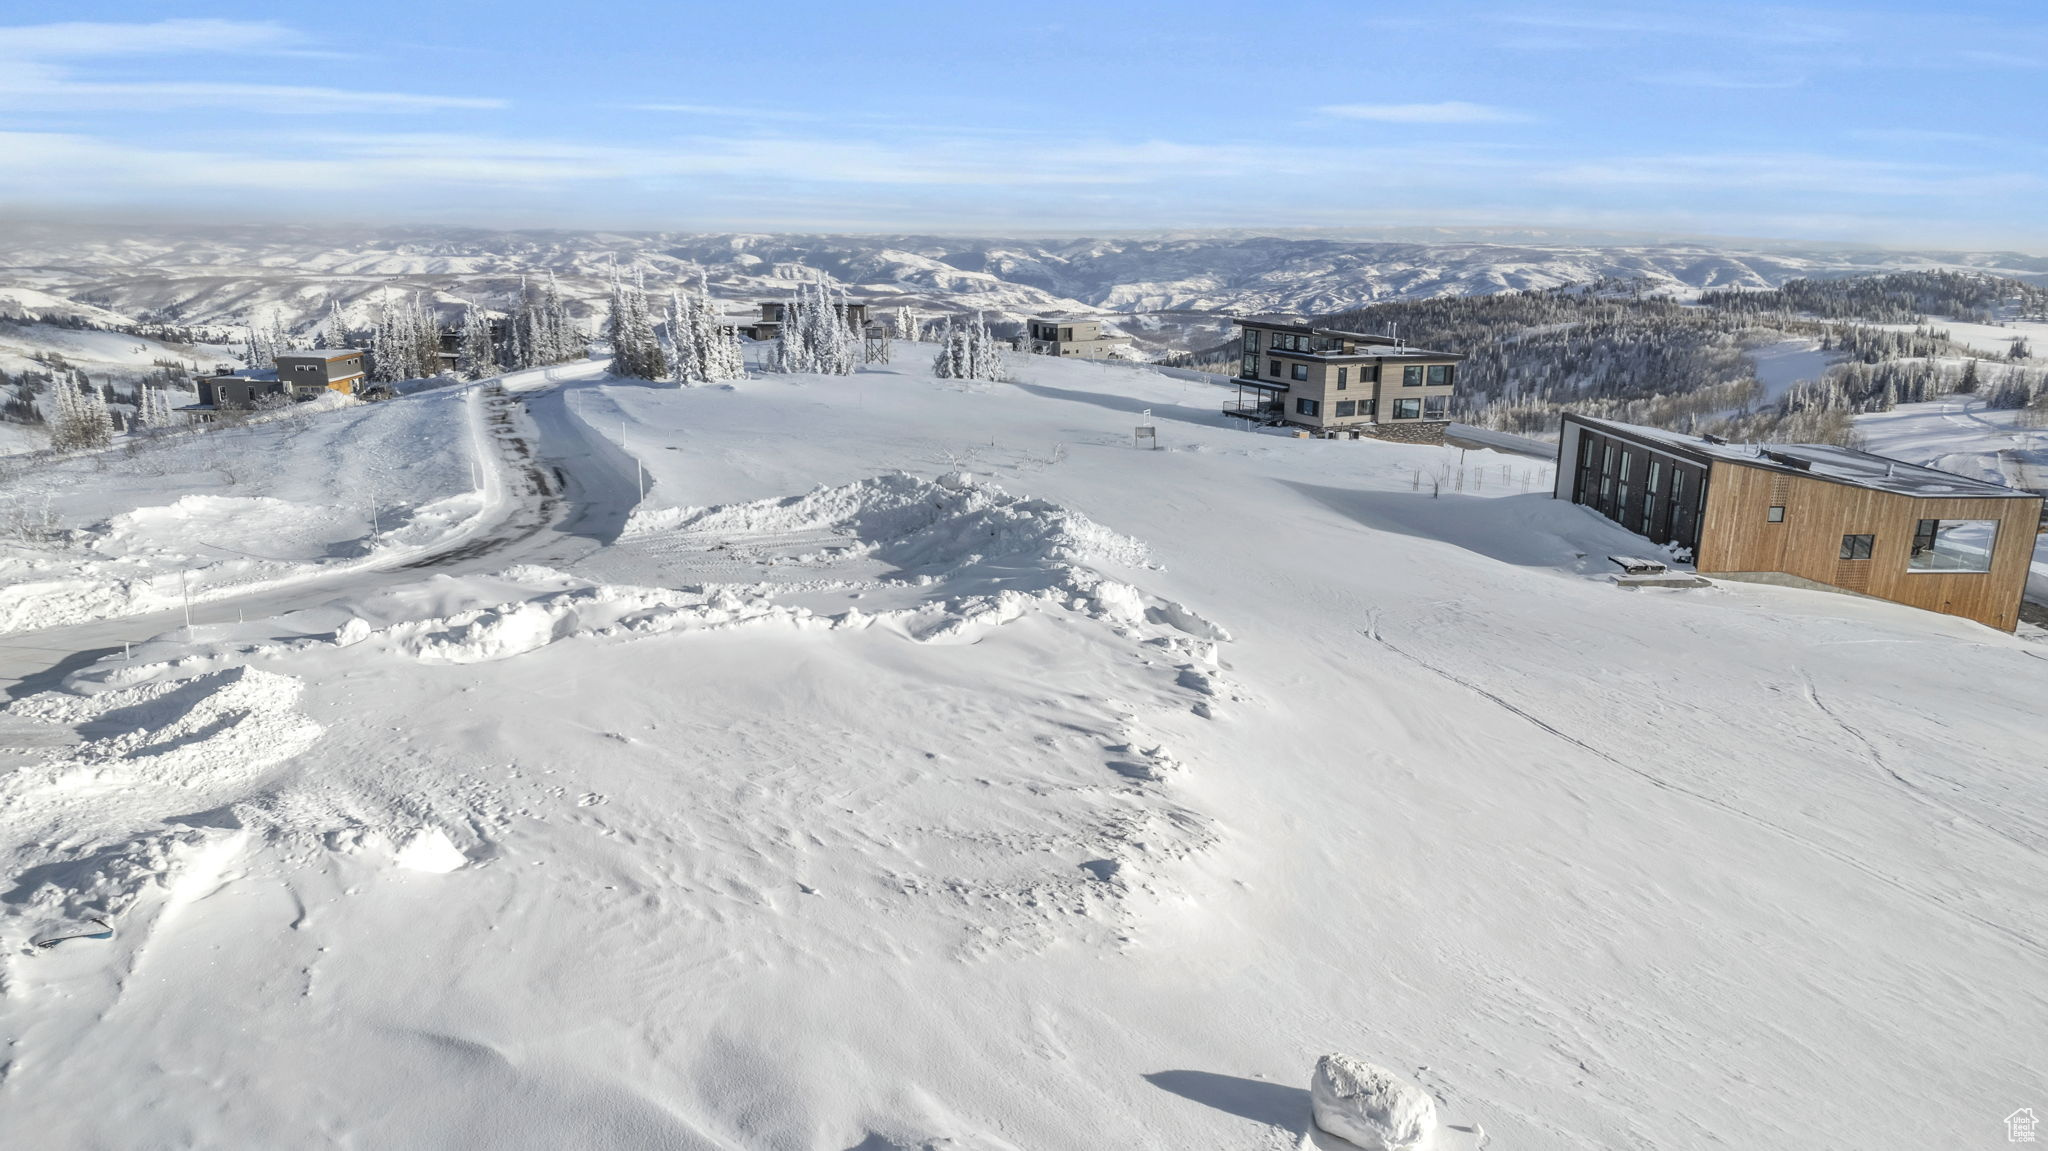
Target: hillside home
1070,336
1810,514
297,375
769,326
315,370
1335,382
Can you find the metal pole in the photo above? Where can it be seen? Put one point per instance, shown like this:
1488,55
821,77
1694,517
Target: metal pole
185,593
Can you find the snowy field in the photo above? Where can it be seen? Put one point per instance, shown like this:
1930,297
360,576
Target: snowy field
885,763
1993,340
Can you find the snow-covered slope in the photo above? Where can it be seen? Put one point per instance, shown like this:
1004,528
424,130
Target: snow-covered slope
918,764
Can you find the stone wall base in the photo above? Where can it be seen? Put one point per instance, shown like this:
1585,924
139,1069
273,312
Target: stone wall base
1431,432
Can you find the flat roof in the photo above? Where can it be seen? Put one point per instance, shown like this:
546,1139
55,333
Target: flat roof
1821,461
320,353
1390,345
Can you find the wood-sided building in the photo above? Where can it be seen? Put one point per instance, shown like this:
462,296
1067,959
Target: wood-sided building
1811,513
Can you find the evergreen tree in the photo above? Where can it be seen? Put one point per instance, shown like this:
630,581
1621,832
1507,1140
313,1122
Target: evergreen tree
478,348
816,335
636,348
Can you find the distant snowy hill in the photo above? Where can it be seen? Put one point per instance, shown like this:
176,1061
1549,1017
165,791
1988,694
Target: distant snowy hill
1169,290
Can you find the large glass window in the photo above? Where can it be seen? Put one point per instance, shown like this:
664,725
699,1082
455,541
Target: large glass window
1628,459
1606,472
1439,373
1857,547
1347,408
1408,409
1251,339
1436,407
1307,407
1953,546
1411,376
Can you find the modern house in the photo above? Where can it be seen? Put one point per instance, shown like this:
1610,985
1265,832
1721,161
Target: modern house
1070,336
769,326
1335,382
1810,514
297,375
311,372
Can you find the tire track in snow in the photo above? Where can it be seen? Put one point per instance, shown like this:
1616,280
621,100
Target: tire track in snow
1371,632
1876,759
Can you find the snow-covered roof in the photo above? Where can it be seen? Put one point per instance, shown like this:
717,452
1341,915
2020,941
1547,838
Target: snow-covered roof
323,353
1820,461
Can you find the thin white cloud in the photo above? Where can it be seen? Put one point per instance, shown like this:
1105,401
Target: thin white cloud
163,38
724,111
1448,112
1699,78
37,72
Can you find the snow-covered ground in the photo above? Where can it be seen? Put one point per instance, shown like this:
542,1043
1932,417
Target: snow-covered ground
919,764
1782,364
1993,340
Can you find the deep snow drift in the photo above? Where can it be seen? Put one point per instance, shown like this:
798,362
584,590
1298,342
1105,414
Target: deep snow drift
920,765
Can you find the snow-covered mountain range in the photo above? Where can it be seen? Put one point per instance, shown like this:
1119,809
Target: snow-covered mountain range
1170,290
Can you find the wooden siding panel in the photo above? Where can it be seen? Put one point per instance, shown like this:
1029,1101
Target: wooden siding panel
1738,537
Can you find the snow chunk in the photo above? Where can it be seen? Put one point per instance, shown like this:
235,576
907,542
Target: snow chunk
430,850
1370,1106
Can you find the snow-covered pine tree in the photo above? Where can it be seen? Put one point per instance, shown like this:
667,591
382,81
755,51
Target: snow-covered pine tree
636,349
478,350
81,420
723,358
427,341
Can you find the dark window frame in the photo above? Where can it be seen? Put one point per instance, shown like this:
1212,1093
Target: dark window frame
1440,375
1411,375
1775,515
1300,372
1409,408
1343,379
1303,406
1346,408
1436,407
1858,545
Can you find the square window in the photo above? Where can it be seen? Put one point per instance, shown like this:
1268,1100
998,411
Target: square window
1411,376
1439,373
1857,547
1776,515
1307,407
1301,371
1347,408
1408,409
1436,407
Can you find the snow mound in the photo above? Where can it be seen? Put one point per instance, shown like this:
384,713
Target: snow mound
430,850
915,523
1368,1105
480,635
202,735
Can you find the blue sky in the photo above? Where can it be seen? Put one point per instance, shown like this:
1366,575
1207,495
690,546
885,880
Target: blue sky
1877,121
